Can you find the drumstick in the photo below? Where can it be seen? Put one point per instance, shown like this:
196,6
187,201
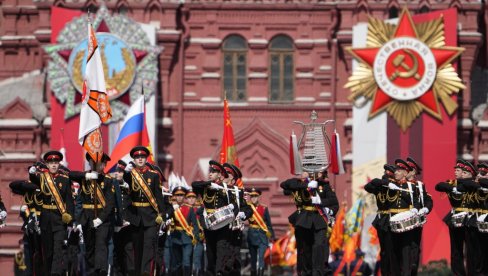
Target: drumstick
399,189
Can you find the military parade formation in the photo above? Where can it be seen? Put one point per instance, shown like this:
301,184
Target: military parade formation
130,223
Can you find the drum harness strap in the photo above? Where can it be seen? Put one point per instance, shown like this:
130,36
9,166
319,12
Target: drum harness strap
421,191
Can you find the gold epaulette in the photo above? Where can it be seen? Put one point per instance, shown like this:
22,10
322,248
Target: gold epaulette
64,175
108,176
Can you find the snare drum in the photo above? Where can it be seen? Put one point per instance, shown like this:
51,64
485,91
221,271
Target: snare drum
220,218
404,221
458,219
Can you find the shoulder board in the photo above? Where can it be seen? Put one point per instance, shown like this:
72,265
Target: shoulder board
108,176
63,175
153,171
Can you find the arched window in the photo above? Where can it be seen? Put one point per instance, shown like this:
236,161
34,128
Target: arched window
281,69
234,51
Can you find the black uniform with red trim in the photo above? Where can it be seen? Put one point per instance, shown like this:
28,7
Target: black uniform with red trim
456,234
95,205
311,228
379,187
219,250
53,223
143,217
32,236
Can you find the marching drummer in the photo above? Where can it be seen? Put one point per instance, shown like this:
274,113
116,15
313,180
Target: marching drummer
426,205
474,196
215,199
244,213
401,196
456,230
379,188
483,213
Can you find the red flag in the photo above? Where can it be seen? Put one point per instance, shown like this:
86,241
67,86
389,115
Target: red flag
336,165
228,153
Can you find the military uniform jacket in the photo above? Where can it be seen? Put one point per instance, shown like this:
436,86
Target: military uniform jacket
457,201
145,215
87,197
179,235
212,199
474,198
379,188
424,198
401,201
51,217
122,202
242,206
32,198
256,234
307,217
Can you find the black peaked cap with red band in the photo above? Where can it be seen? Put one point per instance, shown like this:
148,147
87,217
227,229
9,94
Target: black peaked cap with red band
139,151
216,166
468,167
402,165
414,165
389,168
459,164
483,167
53,155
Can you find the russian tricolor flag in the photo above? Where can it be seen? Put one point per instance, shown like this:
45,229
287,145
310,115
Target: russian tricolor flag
133,133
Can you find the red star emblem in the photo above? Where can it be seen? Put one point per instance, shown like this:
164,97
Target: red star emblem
405,70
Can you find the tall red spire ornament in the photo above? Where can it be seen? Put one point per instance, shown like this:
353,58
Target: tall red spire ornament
406,70
228,152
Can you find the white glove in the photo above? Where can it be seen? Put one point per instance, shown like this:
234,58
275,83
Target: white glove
129,167
78,228
117,229
97,222
125,223
91,176
423,211
316,200
312,184
414,210
124,185
241,216
482,218
329,211
484,190
176,206
392,186
32,170
3,215
231,206
168,222
22,208
215,186
454,190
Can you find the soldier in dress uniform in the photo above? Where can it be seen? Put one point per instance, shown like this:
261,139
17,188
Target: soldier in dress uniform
379,188
147,209
471,189
214,197
260,232
483,213
198,262
184,234
20,267
57,211
402,197
456,234
30,213
318,204
123,249
426,205
95,220
244,213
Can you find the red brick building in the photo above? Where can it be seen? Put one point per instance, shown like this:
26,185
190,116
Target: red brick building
275,60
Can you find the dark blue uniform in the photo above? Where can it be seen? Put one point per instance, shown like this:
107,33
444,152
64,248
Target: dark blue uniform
182,242
258,239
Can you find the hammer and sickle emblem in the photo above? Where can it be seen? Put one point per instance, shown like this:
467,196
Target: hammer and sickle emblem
399,61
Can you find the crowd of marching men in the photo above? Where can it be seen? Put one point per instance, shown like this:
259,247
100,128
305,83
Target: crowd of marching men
128,223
